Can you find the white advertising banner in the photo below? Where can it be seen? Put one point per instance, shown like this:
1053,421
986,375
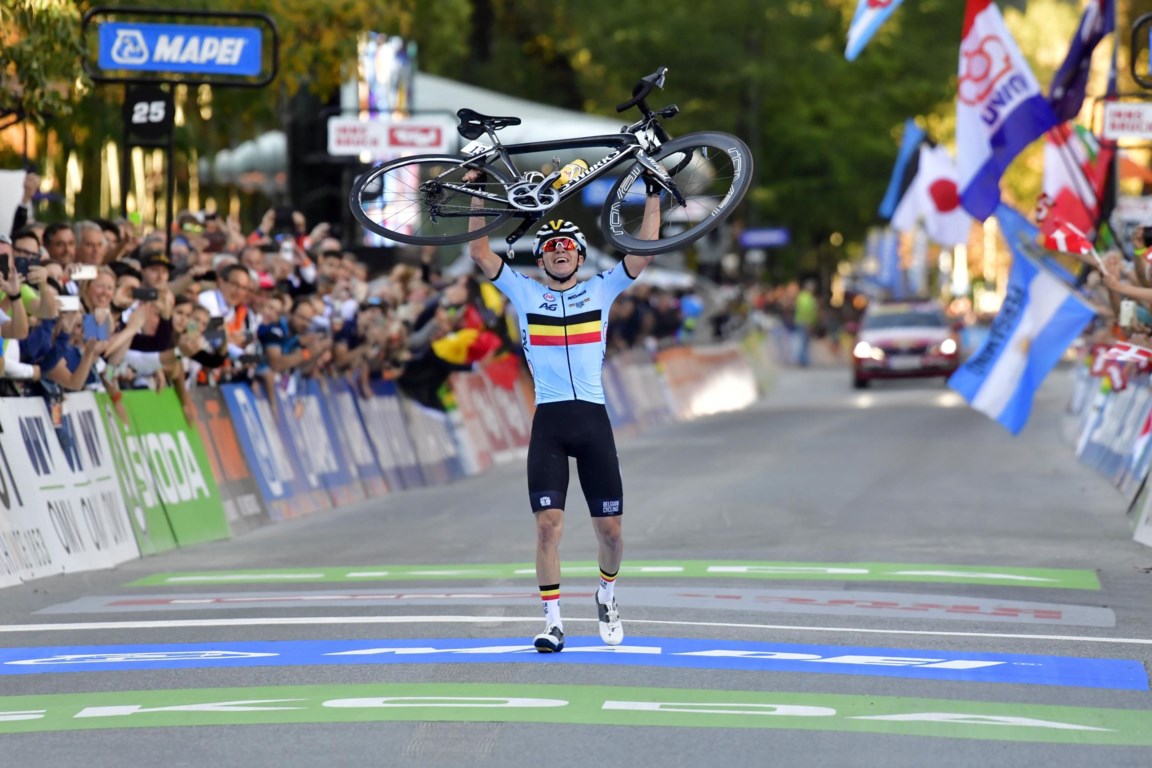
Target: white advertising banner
67,513
1127,120
382,137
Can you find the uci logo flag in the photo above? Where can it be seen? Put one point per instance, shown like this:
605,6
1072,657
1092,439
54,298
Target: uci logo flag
999,107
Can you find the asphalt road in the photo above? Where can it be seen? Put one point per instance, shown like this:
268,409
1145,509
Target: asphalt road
830,578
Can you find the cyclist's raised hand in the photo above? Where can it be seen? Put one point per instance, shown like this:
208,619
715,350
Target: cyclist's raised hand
481,253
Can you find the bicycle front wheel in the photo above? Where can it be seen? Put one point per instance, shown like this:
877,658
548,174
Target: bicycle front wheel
713,172
424,200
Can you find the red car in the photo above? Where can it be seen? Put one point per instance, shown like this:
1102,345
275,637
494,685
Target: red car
900,340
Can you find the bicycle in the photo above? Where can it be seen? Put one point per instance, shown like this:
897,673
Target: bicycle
424,199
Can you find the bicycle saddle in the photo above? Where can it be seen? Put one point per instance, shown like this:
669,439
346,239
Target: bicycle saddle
472,123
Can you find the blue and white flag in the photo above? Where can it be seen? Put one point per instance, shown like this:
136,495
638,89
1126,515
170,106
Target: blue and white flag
1040,317
1017,229
904,171
890,275
870,14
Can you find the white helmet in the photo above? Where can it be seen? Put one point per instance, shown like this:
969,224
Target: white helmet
559,228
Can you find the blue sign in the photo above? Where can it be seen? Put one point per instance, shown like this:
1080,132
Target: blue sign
184,48
679,653
764,237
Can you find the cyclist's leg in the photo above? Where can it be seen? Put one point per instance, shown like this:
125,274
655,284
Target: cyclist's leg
547,490
599,470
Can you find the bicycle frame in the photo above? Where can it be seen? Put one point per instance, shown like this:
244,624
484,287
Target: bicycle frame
623,146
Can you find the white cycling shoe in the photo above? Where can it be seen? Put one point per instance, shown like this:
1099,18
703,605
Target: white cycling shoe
611,629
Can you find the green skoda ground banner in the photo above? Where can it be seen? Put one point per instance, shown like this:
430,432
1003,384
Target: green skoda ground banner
165,476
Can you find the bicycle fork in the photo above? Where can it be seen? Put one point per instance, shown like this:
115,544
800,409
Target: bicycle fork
660,176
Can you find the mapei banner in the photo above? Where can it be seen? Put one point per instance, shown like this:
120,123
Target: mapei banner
165,477
60,508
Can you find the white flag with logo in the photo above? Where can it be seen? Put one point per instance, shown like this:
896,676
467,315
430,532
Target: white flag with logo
999,107
933,198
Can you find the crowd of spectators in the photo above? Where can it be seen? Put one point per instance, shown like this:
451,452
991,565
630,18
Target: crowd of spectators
98,304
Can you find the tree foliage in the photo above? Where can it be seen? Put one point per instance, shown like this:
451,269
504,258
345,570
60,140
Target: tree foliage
824,131
40,55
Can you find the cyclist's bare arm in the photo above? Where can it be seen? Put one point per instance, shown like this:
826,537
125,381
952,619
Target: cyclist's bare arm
649,230
479,249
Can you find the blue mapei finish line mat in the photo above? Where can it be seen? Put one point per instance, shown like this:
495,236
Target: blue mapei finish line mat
1116,674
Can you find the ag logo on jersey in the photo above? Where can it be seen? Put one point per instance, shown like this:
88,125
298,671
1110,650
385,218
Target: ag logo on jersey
550,307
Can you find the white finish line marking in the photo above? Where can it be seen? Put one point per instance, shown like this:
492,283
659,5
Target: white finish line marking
299,620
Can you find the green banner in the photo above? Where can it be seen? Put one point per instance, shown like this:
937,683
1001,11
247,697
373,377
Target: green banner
576,704
1051,578
164,473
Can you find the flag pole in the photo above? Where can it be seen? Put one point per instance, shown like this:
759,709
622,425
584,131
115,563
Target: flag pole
1076,172
1111,188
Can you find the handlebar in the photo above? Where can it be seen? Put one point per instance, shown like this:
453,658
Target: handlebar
641,90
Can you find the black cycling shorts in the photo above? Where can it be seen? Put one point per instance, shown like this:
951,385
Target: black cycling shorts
582,430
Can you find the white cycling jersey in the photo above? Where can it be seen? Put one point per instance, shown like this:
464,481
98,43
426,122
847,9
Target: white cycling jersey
564,332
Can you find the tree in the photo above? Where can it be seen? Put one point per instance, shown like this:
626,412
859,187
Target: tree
40,54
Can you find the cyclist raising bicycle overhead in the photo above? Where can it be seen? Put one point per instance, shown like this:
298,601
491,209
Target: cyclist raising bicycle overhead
563,324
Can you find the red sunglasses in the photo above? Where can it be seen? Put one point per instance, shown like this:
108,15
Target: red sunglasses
557,244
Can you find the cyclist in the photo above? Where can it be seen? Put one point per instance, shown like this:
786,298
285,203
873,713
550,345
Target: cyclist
563,323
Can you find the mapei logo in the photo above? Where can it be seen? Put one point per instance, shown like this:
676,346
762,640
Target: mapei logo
549,307
982,68
129,48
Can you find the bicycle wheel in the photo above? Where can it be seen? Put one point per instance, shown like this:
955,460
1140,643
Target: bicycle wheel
712,170
423,200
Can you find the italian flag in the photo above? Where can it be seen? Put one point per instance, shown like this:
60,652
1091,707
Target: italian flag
1075,170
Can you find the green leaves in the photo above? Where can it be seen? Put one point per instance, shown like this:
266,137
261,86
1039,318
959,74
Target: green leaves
40,58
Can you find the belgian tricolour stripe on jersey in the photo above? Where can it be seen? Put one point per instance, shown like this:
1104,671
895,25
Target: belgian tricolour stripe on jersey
548,331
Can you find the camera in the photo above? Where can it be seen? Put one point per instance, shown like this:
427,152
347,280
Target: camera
215,339
1127,313
145,294
83,272
283,221
69,303
21,263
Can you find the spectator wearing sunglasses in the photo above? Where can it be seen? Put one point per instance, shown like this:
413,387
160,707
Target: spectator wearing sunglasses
563,323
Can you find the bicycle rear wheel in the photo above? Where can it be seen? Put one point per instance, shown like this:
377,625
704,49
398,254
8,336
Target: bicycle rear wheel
712,170
423,200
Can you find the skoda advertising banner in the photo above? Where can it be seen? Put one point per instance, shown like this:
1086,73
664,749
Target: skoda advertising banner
164,473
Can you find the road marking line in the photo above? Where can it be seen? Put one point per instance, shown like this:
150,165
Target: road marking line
298,620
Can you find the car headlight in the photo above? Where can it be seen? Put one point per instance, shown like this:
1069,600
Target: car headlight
865,350
946,347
